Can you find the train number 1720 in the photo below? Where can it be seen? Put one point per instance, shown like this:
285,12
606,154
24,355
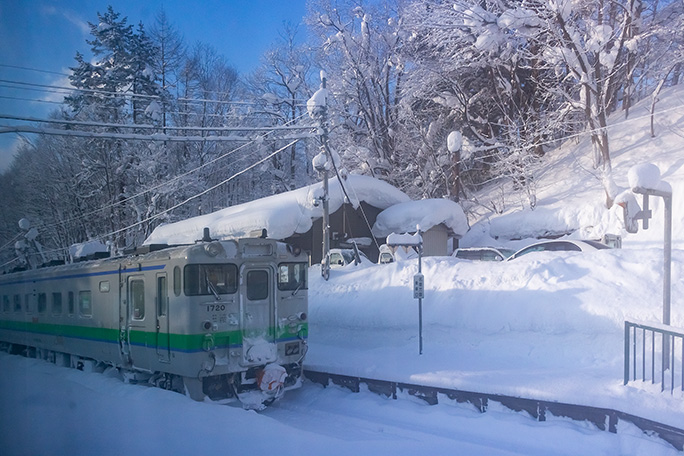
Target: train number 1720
216,307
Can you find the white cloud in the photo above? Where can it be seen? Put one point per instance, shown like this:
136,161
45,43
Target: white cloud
70,16
9,144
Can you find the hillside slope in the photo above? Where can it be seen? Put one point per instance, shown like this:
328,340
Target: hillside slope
569,194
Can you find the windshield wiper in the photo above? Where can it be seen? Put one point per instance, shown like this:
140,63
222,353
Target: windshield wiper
212,288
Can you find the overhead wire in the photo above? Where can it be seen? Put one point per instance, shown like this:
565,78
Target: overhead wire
165,183
153,217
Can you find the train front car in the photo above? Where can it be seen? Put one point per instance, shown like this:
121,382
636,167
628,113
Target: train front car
241,317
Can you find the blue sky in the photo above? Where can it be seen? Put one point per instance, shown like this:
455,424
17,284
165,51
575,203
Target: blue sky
45,35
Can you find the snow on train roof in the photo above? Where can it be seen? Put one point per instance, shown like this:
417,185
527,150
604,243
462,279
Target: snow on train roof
282,215
427,213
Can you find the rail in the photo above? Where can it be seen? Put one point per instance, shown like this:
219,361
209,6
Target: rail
651,350
603,418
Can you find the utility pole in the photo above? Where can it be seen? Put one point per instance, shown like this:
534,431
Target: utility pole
318,110
325,267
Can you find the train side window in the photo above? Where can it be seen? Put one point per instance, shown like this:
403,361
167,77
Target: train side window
5,303
177,281
42,302
70,303
162,295
28,304
17,303
85,303
137,290
57,303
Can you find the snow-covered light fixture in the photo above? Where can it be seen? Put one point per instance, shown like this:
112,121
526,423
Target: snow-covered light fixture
454,141
645,180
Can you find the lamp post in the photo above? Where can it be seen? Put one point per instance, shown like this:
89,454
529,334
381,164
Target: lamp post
645,180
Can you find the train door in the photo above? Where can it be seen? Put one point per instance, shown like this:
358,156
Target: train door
257,315
124,343
162,305
137,320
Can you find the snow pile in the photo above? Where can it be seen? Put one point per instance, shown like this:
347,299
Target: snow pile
404,217
647,177
84,249
281,215
545,326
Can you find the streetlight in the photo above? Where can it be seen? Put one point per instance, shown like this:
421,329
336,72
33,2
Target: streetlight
645,180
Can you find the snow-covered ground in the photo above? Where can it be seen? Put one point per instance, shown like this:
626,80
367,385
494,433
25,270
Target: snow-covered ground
545,326
49,410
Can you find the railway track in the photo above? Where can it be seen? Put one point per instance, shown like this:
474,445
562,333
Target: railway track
603,418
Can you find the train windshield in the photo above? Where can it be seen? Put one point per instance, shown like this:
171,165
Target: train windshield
210,279
292,276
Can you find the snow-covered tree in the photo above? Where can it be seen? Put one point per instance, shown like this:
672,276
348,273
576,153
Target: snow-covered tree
359,47
282,84
469,73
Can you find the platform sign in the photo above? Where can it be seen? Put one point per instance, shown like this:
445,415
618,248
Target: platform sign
418,286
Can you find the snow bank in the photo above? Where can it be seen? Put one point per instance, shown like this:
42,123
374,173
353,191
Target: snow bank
547,325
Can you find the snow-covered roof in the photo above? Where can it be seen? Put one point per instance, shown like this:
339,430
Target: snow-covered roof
281,215
427,213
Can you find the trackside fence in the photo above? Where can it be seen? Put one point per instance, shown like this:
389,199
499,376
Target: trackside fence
654,352
602,418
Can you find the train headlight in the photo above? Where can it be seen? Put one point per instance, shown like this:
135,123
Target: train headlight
294,249
213,249
301,316
207,325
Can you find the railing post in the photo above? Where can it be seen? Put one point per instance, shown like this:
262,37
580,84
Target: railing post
626,352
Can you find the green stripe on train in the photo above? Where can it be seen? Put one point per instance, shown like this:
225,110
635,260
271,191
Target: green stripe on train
177,342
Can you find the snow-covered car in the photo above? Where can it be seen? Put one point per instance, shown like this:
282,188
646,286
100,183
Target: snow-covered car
483,253
386,255
343,257
566,245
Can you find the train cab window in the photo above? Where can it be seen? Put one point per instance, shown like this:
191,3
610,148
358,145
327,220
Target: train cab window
137,290
5,303
70,303
57,303
177,281
42,302
28,304
210,279
17,303
85,303
257,285
292,276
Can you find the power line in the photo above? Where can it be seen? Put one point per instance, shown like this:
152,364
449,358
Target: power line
119,81
68,90
152,127
17,67
158,137
153,217
171,181
33,100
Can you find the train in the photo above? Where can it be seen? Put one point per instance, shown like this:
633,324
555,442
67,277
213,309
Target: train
218,319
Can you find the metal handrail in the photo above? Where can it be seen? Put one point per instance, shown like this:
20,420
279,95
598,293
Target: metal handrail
640,336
